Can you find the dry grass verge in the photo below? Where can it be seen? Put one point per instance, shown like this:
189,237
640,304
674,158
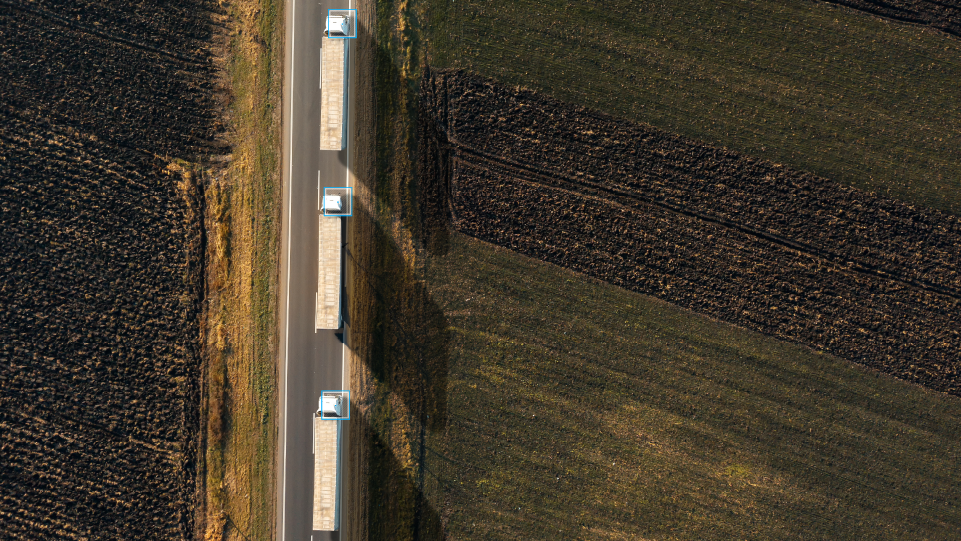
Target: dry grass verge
360,253
394,326
243,220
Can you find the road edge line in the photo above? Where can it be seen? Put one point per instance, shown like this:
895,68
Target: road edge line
290,195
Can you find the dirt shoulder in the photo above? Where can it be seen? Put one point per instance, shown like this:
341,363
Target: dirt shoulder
359,255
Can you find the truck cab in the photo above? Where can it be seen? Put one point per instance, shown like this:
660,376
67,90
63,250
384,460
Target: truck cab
337,26
329,406
333,204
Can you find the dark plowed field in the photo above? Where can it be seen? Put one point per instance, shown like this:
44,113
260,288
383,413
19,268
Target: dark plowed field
749,242
101,250
944,15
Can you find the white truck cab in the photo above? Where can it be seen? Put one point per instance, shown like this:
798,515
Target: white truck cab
333,203
337,25
330,406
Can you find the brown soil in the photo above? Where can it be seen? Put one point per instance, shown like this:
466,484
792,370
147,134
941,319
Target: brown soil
750,242
102,256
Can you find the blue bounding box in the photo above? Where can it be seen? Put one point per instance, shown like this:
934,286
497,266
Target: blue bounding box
334,195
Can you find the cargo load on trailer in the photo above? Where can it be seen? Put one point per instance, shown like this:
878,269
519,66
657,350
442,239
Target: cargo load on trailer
328,314
327,472
333,83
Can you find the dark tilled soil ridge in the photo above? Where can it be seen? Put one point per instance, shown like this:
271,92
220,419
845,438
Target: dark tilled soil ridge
564,141
944,15
632,199
55,14
719,271
102,253
743,240
126,94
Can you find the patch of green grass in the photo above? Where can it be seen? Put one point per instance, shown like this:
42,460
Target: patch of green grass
862,101
578,410
574,409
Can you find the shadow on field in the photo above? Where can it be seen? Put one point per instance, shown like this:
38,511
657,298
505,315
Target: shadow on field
409,349
407,356
398,508
433,169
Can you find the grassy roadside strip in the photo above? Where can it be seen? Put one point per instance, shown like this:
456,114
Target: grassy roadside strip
359,254
243,209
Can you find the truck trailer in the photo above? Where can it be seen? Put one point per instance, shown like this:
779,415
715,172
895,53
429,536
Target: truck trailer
328,314
333,83
327,473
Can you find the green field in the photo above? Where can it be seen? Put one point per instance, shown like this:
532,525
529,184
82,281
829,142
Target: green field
822,88
578,410
557,407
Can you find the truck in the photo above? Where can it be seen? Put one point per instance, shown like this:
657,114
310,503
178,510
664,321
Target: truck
327,467
333,82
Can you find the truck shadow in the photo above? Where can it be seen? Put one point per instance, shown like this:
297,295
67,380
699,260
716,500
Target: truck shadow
364,39
407,331
401,335
397,506
398,331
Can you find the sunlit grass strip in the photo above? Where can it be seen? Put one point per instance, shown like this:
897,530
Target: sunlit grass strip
579,409
821,88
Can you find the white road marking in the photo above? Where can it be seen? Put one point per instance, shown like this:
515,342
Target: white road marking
318,190
290,199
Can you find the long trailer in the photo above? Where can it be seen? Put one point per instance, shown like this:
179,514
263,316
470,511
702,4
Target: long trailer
327,474
328,314
333,91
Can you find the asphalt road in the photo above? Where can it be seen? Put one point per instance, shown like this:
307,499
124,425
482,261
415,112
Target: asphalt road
310,361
